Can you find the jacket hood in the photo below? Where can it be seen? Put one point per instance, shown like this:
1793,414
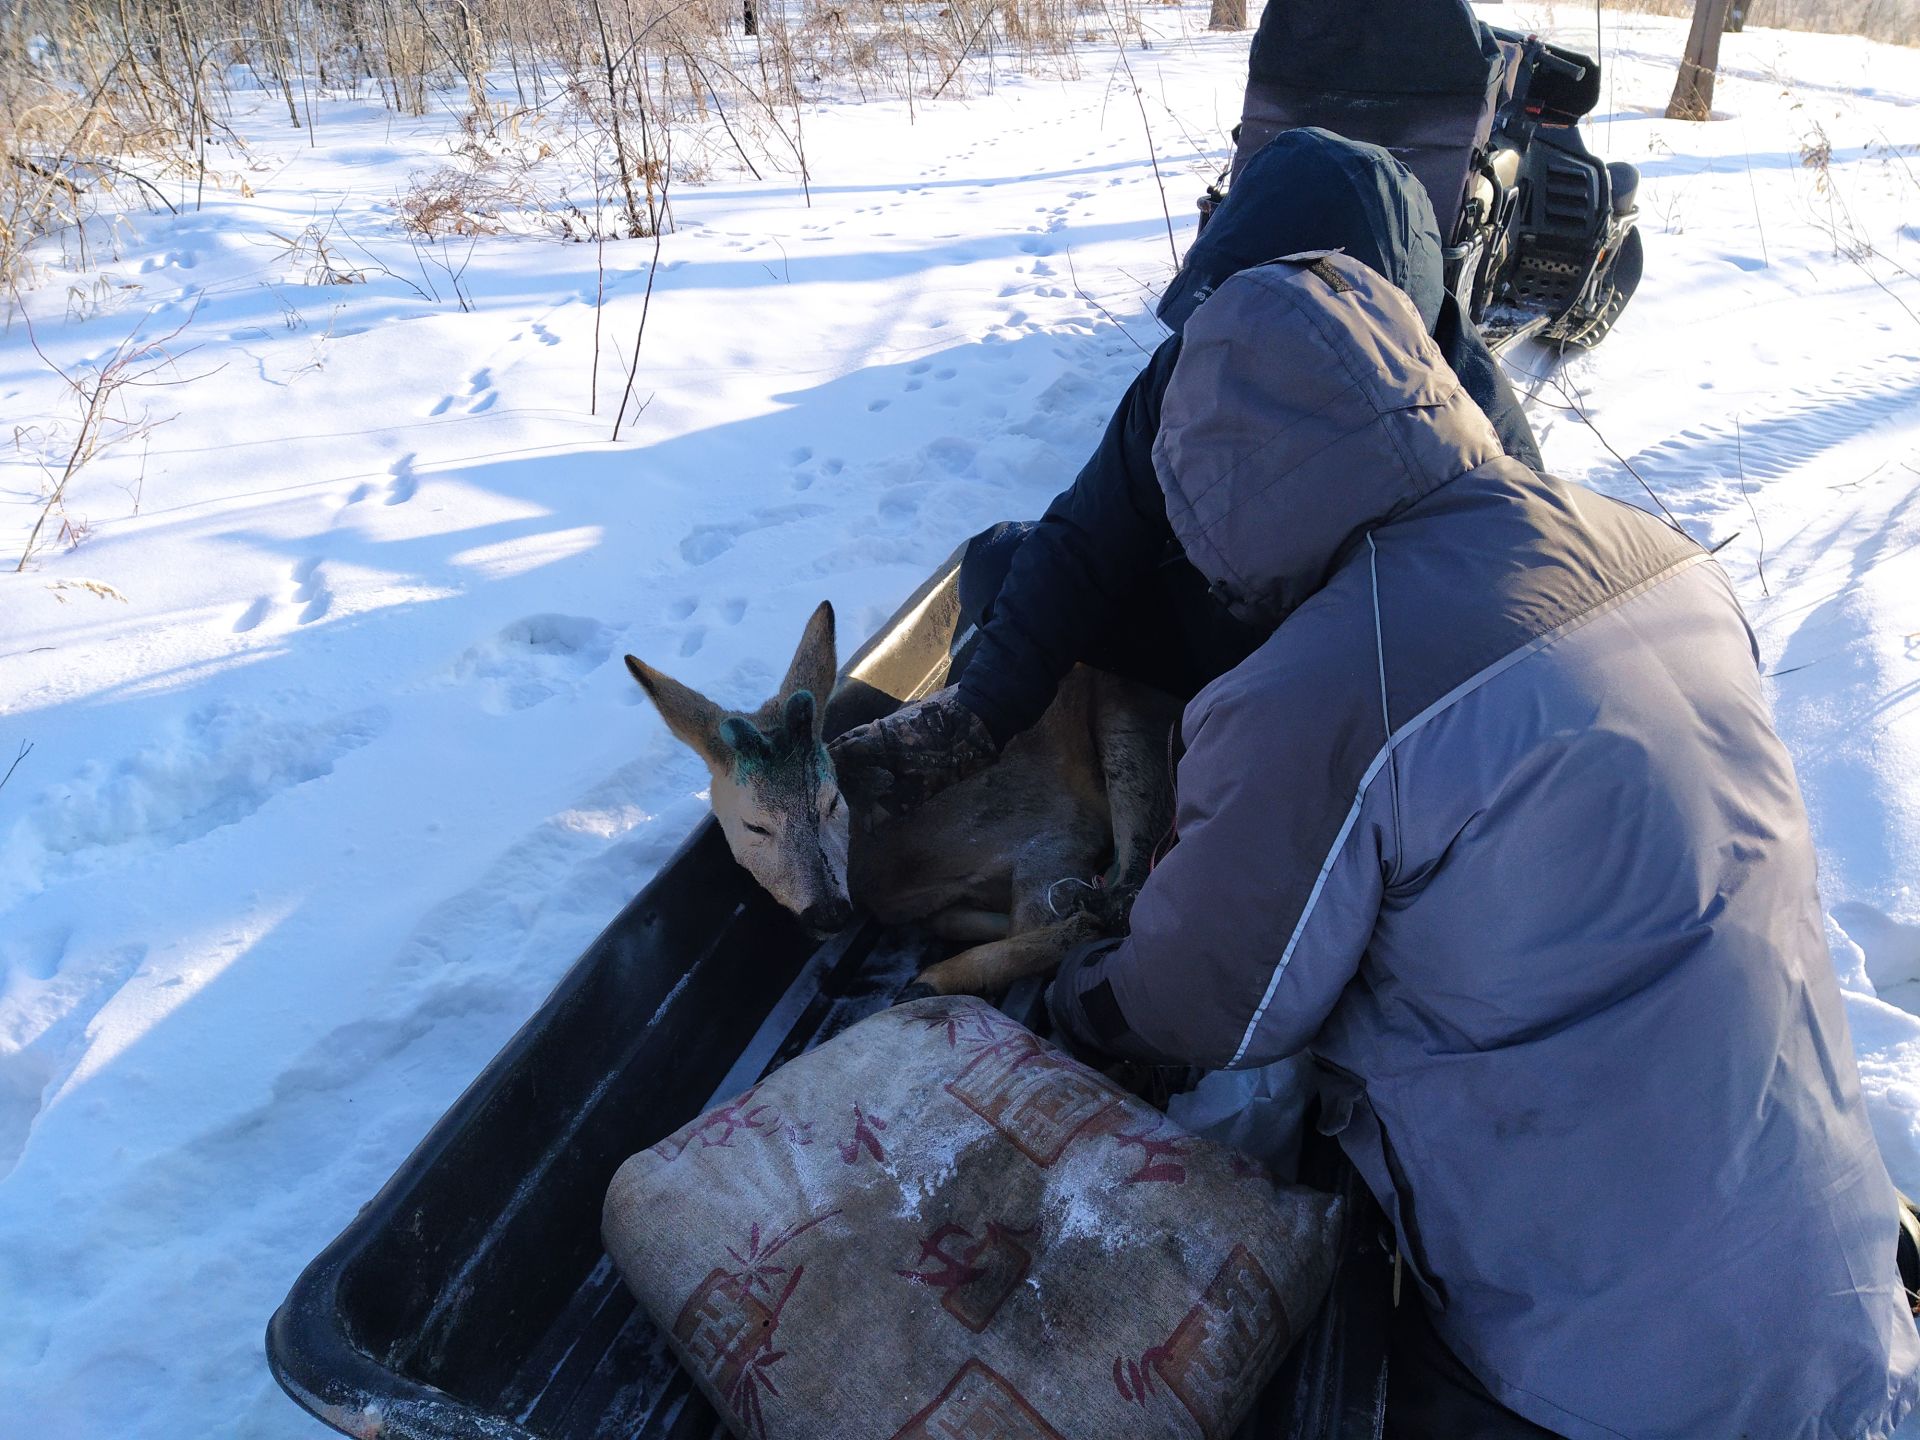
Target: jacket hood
1309,189
1308,406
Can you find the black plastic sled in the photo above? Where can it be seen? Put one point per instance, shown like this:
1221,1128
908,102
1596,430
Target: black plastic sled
1540,234
471,1298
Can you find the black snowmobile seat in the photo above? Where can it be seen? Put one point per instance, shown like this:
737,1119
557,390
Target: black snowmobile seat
1422,78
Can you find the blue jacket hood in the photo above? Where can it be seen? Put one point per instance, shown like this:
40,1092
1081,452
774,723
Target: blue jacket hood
1309,189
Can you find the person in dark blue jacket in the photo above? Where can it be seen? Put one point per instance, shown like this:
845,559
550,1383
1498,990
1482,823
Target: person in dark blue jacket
1100,578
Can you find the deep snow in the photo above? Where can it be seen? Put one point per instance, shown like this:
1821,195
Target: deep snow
321,809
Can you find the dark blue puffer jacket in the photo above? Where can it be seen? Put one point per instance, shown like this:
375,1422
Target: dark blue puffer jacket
1306,190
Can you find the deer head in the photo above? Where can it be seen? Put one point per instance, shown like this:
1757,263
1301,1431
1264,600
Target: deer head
773,791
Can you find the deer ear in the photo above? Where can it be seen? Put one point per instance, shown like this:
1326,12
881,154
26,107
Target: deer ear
802,716
746,741
693,719
815,663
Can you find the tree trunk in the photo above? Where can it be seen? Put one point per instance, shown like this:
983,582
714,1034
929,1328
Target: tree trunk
1227,15
475,64
1693,87
749,17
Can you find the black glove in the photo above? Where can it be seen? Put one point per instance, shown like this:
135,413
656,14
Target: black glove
898,762
1108,906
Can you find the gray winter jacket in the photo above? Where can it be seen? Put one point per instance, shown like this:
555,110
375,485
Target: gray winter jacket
1496,826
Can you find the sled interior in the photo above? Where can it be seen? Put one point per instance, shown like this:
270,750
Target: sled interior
471,1297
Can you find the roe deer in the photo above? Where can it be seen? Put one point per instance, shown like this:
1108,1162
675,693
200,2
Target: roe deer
1084,793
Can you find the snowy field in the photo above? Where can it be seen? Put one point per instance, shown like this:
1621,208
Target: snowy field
335,767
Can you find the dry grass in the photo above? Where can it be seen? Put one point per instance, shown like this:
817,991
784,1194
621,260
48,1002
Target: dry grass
67,153
450,201
109,108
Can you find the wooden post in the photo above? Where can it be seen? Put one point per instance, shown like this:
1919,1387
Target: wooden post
1693,87
1227,15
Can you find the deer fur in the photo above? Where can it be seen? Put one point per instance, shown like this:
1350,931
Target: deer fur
1084,793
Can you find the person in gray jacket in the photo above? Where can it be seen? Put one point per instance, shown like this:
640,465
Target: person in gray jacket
1496,826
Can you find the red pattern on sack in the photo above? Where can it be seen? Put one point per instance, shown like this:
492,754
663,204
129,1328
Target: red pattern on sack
1236,1326
975,1277
717,1128
1159,1157
978,1404
865,1137
1034,1096
970,1026
727,1327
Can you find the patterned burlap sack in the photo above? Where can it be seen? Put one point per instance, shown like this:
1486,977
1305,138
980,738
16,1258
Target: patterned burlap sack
938,1227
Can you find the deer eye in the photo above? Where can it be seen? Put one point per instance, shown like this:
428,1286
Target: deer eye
757,829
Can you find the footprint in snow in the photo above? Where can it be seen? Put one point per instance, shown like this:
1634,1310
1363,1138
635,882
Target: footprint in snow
532,660
955,456
480,396
75,995
805,473
310,589
215,768
404,484
36,955
705,543
480,392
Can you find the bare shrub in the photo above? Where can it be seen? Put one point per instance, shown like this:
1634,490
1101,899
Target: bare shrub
449,201
314,255
104,418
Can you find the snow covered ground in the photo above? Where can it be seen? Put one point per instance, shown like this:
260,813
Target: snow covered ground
338,776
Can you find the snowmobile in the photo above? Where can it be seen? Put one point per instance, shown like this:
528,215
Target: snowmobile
471,1300
1540,235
